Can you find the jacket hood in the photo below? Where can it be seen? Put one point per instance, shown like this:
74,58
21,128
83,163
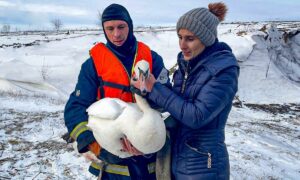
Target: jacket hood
119,12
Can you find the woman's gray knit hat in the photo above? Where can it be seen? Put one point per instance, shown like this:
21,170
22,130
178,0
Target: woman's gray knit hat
202,23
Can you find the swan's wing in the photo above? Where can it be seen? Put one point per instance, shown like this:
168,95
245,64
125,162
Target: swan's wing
107,108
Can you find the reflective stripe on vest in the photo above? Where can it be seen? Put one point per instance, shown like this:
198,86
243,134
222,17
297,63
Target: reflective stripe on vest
151,167
114,76
120,169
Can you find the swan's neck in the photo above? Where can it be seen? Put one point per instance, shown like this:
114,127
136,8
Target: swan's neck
142,103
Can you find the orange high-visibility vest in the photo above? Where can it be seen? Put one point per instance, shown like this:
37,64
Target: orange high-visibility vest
114,78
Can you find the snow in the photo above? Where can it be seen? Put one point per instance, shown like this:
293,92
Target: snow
38,74
243,48
263,146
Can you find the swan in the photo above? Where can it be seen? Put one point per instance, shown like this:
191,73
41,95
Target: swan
111,119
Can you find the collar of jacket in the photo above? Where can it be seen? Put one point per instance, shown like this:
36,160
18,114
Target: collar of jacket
127,49
120,54
215,58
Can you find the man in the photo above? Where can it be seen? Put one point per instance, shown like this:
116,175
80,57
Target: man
107,73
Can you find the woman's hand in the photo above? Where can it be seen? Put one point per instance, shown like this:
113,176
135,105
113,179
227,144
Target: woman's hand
128,147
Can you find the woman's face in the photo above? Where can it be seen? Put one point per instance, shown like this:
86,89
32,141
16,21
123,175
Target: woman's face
189,44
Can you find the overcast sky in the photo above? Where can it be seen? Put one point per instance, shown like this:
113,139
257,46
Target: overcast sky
38,13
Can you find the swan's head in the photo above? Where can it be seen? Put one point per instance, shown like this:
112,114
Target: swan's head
141,70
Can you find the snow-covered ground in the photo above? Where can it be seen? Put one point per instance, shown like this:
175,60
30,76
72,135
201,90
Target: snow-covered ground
39,71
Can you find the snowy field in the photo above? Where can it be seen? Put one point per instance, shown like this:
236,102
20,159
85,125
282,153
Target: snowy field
38,71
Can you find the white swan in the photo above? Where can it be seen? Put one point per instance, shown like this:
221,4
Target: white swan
111,119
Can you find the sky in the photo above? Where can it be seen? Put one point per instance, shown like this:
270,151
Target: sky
81,13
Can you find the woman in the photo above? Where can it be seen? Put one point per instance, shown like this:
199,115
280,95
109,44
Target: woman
201,97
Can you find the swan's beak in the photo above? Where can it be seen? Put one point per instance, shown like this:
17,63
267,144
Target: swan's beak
143,86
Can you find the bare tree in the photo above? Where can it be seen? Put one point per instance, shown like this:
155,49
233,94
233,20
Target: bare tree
5,28
57,23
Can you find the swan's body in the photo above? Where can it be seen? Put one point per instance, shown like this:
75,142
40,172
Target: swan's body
111,119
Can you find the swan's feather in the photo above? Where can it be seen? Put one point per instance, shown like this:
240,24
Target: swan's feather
107,108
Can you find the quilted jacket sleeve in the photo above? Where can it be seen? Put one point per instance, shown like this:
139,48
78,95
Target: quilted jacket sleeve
158,66
210,101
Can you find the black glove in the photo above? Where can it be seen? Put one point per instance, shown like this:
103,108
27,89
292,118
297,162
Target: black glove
67,138
109,157
138,91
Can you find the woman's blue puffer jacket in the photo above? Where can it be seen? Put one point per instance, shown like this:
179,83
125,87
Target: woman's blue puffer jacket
200,102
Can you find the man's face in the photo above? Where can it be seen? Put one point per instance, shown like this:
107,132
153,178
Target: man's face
116,31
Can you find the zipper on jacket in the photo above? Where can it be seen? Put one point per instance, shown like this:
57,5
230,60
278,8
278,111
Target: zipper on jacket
207,154
132,95
186,74
209,160
132,70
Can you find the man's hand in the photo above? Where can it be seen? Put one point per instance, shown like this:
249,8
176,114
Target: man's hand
102,154
128,147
